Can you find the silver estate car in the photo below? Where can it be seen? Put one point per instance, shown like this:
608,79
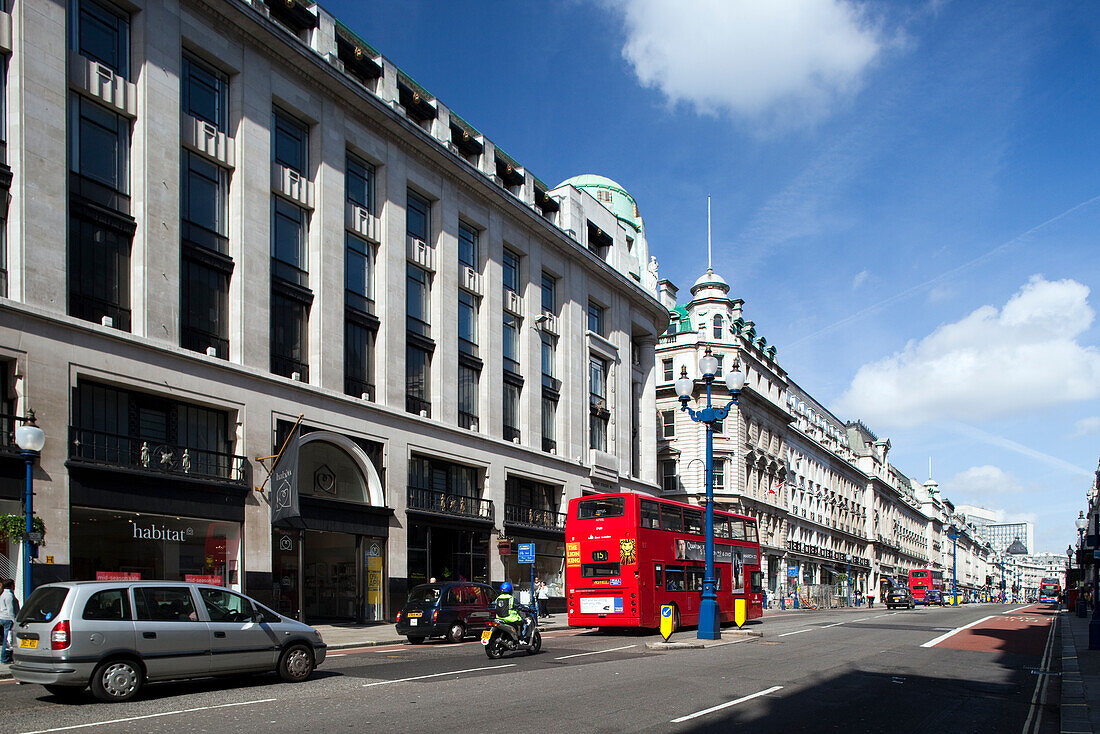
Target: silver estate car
116,635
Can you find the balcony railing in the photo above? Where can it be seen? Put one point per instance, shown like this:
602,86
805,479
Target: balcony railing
287,366
511,433
135,452
359,388
534,517
7,432
90,308
445,503
549,445
467,420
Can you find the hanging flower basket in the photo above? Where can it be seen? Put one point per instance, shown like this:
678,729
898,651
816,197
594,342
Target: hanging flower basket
14,527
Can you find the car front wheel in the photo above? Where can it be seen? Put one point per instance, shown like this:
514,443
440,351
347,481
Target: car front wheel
296,663
117,680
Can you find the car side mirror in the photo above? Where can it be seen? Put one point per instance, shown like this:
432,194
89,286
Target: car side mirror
257,617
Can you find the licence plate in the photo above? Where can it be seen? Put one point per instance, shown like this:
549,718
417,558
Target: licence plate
485,637
415,614
31,644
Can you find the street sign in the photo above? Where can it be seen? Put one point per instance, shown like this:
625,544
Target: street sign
739,613
666,621
34,537
792,572
526,553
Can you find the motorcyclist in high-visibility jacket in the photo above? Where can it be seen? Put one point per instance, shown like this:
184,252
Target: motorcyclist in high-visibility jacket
507,611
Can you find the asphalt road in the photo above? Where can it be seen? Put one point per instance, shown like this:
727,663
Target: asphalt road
844,670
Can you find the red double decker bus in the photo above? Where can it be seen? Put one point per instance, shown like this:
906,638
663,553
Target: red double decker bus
627,554
923,580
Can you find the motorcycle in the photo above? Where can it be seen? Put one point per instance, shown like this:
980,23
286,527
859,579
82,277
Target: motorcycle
502,637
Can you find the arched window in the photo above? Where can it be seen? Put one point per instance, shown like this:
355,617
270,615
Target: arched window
718,326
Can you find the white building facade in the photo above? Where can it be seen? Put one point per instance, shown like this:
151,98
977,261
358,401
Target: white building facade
227,217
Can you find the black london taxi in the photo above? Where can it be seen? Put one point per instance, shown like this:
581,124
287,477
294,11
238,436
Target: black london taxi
451,610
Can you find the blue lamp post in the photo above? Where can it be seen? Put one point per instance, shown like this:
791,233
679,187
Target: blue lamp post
848,580
30,439
953,533
709,628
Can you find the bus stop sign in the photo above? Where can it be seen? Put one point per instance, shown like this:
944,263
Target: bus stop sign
666,621
526,553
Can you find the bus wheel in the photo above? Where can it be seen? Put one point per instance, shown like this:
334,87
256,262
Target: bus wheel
675,618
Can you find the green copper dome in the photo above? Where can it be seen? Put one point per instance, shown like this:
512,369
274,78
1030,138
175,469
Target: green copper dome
613,196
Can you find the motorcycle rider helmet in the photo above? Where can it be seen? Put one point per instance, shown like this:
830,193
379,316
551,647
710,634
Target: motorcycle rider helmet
506,588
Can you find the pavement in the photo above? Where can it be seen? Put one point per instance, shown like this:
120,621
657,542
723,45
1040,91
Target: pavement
1080,704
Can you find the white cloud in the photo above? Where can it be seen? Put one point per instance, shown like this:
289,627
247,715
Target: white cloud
774,62
982,481
991,363
860,279
1086,426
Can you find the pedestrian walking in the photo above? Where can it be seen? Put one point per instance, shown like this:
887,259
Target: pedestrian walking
542,594
9,607
870,600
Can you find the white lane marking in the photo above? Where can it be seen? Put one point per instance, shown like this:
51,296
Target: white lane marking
945,635
796,632
1010,611
833,625
437,675
597,652
151,716
862,619
721,706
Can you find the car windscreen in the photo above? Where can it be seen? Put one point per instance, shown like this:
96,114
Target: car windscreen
44,604
422,594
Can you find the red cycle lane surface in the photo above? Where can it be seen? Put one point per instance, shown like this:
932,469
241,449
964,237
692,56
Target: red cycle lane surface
1023,632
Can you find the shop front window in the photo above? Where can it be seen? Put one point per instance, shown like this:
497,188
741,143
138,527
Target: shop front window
123,546
549,566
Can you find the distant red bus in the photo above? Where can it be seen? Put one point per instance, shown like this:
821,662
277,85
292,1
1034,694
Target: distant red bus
1050,590
923,579
626,555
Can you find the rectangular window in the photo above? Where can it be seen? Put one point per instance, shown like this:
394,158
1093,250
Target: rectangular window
467,323
289,336
359,182
549,356
511,411
510,342
290,143
597,431
468,254
666,366
596,318
693,521
417,217
670,481
718,372
650,514
418,364
288,242
204,307
594,509
417,293
549,294
549,424
672,518
668,423
600,570
597,375
359,258
359,343
510,276
468,378
204,203
102,33
719,475
205,93
99,272
99,154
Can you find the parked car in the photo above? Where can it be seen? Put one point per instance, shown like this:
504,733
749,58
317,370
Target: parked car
899,596
452,610
116,636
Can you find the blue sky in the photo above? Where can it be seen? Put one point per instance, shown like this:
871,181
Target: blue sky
905,195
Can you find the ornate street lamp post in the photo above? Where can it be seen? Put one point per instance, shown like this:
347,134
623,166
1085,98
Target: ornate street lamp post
709,628
953,533
30,439
1081,522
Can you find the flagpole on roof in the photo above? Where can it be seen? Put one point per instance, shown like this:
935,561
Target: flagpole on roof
708,234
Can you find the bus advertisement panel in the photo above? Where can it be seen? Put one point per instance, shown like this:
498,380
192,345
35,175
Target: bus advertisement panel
626,555
922,580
